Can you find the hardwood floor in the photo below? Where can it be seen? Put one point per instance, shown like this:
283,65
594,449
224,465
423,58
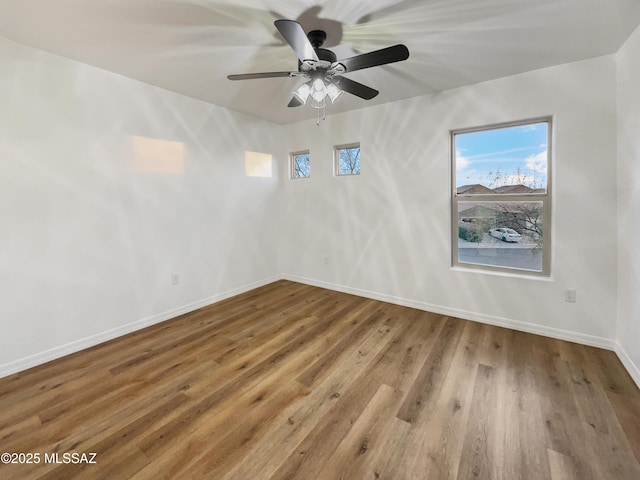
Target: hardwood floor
295,382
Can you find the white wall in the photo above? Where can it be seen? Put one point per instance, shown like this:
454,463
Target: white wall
387,232
88,241
629,205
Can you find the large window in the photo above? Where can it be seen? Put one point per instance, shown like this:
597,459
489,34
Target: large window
347,159
502,197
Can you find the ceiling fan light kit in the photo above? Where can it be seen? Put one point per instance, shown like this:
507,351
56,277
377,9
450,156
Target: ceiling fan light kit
318,91
322,69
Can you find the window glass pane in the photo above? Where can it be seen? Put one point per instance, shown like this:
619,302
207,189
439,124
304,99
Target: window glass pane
300,165
502,160
349,161
503,234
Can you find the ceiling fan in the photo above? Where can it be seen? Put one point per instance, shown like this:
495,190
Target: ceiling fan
321,67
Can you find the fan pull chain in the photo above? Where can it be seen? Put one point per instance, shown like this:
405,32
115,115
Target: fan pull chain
324,115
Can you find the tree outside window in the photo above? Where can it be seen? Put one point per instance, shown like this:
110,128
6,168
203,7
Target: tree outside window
347,159
300,165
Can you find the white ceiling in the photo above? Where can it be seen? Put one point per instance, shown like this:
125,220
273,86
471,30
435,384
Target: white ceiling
190,46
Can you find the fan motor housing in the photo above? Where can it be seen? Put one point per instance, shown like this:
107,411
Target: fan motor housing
326,55
326,59
317,38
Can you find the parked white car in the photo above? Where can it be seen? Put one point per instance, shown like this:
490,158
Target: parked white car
505,234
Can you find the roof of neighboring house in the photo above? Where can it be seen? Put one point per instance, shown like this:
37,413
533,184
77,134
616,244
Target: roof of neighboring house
513,189
476,189
478,211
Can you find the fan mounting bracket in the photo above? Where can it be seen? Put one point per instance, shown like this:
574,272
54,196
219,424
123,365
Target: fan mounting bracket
317,38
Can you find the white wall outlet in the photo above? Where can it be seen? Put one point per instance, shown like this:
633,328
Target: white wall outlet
326,260
570,295
175,279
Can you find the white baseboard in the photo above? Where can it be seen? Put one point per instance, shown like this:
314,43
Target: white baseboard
560,334
551,332
83,343
632,368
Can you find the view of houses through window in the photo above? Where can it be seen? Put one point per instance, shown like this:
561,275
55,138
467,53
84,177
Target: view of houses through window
501,196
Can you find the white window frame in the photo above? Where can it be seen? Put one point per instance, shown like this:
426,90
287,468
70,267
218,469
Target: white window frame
292,163
545,198
336,158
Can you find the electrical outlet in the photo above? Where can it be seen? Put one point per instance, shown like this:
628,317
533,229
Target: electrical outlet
326,260
175,279
570,295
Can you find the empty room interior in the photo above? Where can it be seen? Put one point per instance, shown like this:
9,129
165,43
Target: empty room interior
287,239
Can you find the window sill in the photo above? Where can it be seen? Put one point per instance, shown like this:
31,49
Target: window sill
525,276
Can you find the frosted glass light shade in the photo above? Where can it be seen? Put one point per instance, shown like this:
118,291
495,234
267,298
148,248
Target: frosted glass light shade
333,92
302,93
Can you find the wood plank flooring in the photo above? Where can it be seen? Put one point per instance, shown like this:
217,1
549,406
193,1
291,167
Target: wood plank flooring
291,381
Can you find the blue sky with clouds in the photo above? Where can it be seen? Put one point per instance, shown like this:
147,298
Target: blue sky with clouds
504,156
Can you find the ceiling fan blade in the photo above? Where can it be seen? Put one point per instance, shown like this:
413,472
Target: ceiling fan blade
355,88
294,35
396,53
294,102
251,76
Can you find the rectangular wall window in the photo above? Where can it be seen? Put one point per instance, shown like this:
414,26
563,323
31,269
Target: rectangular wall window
347,159
300,164
501,214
